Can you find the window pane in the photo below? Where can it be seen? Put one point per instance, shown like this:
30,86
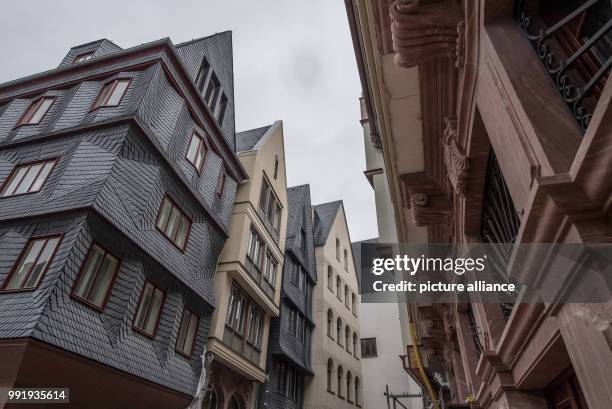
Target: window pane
41,110
141,316
42,262
183,229
193,326
193,148
172,227
164,213
42,176
180,341
15,180
117,93
101,286
154,311
27,263
230,308
89,271
28,179
104,94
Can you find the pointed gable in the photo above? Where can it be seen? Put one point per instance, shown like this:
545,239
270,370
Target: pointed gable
300,217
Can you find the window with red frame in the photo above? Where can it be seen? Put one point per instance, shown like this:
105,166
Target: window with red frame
149,309
173,223
32,263
96,276
197,151
83,57
221,183
187,332
37,111
27,178
112,93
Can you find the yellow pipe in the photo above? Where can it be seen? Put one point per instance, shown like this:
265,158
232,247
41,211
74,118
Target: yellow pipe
430,391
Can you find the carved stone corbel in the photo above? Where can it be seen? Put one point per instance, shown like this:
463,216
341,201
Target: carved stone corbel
457,164
429,205
423,30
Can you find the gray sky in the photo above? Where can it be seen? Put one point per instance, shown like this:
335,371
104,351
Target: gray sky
293,60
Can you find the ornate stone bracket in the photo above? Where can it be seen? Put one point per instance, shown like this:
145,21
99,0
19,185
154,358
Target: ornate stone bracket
423,30
457,164
428,203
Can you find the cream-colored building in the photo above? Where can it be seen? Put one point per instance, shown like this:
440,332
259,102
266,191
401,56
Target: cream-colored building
248,278
336,361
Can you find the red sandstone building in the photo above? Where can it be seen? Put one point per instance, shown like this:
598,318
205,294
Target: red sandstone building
494,121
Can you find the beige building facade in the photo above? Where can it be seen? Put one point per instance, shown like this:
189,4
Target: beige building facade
249,272
336,362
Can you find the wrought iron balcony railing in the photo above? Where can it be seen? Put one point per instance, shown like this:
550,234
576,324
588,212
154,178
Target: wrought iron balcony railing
572,38
500,222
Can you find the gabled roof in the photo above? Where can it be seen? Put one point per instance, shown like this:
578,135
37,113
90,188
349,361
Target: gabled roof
324,215
246,140
300,216
356,247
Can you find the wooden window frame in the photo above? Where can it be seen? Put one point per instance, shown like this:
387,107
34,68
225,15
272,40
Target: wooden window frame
195,334
16,168
171,240
203,145
32,110
101,102
81,270
83,55
22,255
221,183
161,309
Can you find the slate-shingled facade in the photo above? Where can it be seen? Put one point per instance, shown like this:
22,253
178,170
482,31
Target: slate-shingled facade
114,167
288,362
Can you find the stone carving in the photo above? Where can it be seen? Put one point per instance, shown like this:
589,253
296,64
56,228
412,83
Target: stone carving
460,52
422,30
457,164
428,203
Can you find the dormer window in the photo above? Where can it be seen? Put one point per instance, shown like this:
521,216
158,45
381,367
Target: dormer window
202,74
83,57
197,151
112,93
222,108
221,183
212,92
37,111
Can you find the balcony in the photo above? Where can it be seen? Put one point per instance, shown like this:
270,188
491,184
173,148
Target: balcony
572,39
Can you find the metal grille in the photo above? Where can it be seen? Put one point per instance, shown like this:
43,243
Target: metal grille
576,50
500,222
475,330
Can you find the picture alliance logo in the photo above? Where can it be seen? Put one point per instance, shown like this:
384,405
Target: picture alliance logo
414,265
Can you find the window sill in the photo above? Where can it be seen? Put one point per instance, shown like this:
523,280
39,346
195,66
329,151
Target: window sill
143,333
88,303
332,392
18,290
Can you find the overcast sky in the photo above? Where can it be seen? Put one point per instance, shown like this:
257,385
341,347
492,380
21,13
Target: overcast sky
293,60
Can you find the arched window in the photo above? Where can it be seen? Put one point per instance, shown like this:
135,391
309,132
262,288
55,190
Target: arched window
338,287
340,375
234,403
338,249
330,370
357,391
330,279
347,337
355,344
354,303
346,296
349,385
330,319
210,400
339,331
345,259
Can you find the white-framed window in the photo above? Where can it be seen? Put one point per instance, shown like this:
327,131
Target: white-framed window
83,57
